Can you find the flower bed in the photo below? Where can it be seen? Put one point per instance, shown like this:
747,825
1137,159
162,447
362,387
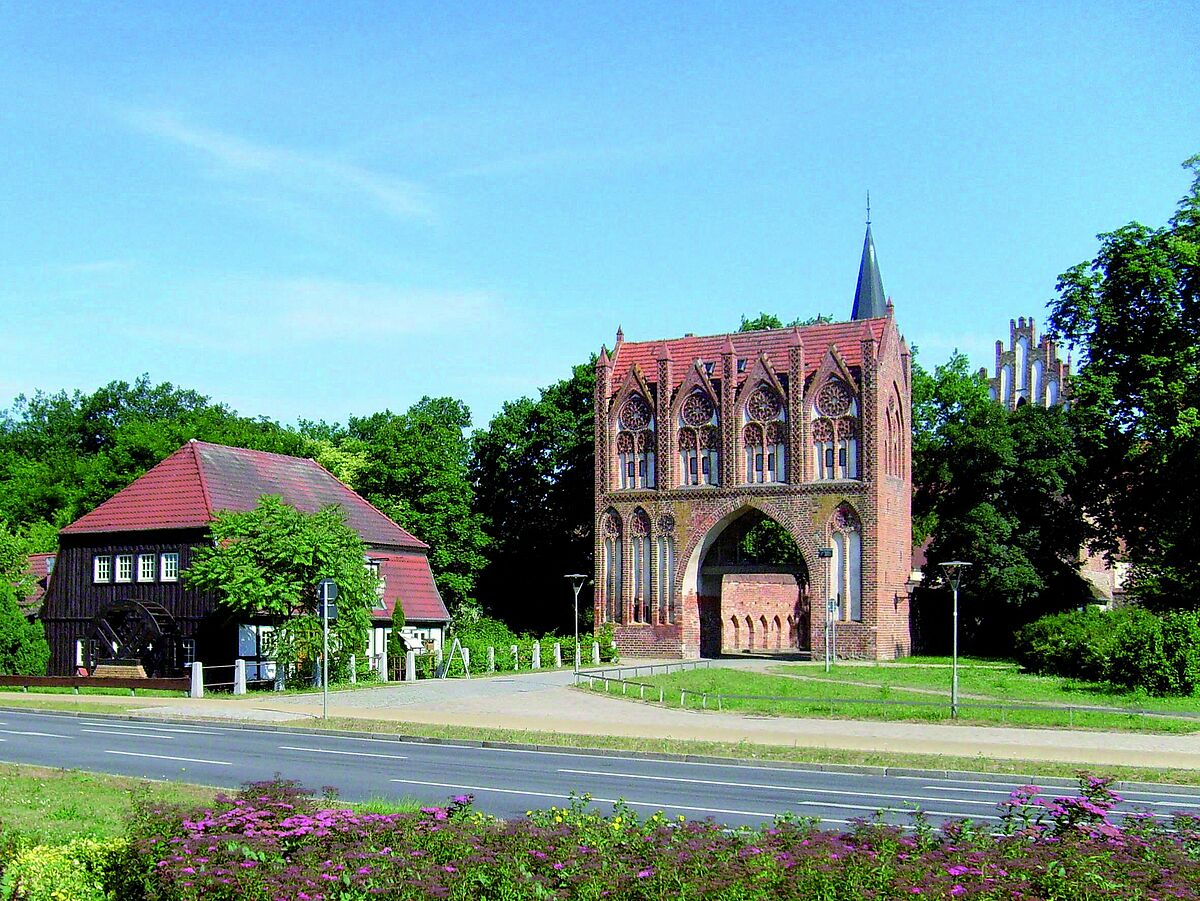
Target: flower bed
270,842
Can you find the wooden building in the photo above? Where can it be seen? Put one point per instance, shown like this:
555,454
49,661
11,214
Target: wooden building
117,585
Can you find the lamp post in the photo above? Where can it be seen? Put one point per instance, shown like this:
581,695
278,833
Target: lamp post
578,580
826,553
954,569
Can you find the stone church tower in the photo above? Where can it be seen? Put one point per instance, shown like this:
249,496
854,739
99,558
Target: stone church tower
700,441
1029,371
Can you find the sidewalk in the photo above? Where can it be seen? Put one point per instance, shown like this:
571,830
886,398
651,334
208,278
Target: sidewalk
545,702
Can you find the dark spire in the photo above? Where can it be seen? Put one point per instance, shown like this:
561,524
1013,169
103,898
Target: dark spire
869,299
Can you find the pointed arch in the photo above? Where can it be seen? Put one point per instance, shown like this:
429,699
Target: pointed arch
632,418
664,571
696,413
639,555
845,571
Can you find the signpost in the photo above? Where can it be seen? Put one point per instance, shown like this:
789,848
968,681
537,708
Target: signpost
327,592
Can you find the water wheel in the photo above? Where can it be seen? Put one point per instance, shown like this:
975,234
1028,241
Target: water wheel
134,633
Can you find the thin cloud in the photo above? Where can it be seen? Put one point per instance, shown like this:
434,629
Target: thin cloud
294,170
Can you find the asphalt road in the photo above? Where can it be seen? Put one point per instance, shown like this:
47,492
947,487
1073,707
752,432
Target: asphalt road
506,782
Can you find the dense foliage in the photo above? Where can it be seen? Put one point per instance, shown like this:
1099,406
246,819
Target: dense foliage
1134,310
996,488
266,563
23,647
533,470
1130,646
270,842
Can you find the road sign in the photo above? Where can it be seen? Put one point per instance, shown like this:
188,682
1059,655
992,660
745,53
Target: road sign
327,610
327,590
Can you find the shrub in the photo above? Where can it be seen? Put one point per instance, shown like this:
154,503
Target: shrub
23,647
1075,644
82,870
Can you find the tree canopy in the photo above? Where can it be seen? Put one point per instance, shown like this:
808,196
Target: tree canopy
1134,312
533,470
770,320
266,563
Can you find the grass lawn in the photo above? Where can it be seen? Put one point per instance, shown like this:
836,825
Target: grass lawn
890,685
51,806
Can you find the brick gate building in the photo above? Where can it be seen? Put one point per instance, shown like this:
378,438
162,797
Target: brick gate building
698,439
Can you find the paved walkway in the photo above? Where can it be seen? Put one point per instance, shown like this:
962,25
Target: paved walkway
545,702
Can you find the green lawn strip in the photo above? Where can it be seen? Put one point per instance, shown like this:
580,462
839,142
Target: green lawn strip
819,698
49,806
1009,684
88,690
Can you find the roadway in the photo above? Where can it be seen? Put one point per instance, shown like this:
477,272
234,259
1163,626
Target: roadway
508,781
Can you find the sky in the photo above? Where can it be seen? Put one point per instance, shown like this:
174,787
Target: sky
313,211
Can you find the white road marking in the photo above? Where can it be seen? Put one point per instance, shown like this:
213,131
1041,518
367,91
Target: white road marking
346,753
37,734
164,757
782,788
1149,797
130,734
152,726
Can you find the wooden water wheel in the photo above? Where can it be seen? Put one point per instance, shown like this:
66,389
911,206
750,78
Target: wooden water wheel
134,633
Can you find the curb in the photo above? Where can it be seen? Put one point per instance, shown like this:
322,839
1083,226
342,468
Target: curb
751,762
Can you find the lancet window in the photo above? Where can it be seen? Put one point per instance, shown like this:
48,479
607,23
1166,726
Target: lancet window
698,441
835,432
764,437
612,551
845,569
639,539
635,444
665,569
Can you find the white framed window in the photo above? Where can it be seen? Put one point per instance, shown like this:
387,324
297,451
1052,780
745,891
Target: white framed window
168,567
146,567
102,568
124,568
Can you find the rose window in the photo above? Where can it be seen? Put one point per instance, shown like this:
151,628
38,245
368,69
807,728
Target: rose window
834,399
635,414
697,410
764,405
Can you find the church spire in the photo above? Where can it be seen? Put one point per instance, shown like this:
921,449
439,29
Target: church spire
869,299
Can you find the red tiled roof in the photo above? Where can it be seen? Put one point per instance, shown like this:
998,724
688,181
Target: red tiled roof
409,582
847,337
39,568
185,489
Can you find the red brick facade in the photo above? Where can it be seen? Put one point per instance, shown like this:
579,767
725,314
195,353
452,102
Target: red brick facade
825,413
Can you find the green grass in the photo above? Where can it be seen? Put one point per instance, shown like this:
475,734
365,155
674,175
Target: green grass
819,695
50,806
87,690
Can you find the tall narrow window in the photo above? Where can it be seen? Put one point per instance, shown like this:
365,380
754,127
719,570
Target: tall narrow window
845,570
665,570
611,576
639,532
147,564
168,569
698,440
835,432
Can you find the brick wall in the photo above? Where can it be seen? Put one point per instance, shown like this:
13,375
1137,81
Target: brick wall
759,612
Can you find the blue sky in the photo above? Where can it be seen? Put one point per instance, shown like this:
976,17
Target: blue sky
318,210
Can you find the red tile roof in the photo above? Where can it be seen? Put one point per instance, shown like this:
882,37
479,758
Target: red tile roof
847,337
409,582
185,489
39,568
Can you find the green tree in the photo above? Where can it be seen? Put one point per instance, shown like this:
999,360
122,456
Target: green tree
534,470
23,647
995,488
265,563
415,469
770,320
1134,311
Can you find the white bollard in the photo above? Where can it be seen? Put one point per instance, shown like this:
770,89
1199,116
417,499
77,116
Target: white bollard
595,653
239,676
280,676
516,659
537,655
384,675
577,661
197,680
491,660
466,657
557,654
353,670
410,666
437,660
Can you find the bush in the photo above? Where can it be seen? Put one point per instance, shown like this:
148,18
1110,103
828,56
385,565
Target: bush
23,647
1131,647
82,870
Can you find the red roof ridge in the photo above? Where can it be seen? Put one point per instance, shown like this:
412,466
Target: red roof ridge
191,445
849,323
350,490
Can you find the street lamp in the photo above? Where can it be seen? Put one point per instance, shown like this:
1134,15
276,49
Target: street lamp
954,569
578,580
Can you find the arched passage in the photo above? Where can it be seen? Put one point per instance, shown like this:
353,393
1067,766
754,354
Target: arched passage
750,580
